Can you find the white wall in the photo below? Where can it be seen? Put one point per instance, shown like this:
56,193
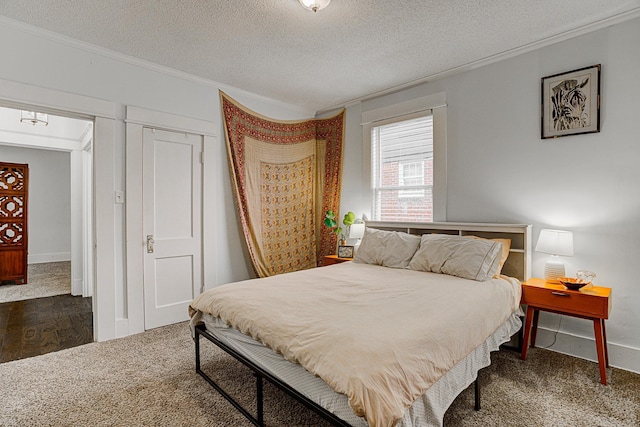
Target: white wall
53,62
500,170
49,212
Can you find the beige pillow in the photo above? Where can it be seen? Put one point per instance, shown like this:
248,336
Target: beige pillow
506,246
475,259
387,248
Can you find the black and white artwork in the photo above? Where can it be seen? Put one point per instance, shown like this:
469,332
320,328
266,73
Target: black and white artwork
571,103
345,251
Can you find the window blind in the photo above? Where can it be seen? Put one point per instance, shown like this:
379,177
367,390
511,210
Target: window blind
402,170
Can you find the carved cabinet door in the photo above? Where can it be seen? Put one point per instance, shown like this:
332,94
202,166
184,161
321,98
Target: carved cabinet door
14,185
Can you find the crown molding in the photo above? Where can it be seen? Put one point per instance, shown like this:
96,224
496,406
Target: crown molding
141,63
127,59
510,53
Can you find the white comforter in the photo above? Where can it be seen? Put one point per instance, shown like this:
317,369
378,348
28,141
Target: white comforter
381,336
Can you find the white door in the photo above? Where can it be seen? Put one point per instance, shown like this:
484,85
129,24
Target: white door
172,224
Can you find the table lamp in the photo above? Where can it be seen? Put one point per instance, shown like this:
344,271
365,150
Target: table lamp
356,231
556,243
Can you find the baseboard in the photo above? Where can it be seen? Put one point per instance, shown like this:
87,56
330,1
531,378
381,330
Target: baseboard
76,287
42,258
623,357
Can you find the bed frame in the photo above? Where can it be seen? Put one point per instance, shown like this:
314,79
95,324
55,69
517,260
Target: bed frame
517,265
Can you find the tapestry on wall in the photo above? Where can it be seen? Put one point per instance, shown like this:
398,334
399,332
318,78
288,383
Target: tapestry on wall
285,176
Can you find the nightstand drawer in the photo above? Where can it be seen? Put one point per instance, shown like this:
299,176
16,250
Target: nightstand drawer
574,302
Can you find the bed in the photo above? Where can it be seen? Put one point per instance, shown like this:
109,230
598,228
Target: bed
388,339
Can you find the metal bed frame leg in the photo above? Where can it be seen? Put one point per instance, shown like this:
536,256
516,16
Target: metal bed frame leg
477,392
259,419
197,341
260,375
259,399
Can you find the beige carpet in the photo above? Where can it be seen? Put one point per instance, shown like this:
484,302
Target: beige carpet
44,280
149,380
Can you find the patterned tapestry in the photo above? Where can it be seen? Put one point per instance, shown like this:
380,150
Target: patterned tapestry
285,176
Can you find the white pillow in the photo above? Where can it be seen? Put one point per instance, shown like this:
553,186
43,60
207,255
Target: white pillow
476,259
506,246
387,248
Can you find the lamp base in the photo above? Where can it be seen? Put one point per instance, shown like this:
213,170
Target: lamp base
552,270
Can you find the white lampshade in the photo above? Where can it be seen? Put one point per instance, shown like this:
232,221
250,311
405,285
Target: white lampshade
554,242
356,231
314,5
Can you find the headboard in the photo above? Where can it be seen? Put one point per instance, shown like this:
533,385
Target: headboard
518,263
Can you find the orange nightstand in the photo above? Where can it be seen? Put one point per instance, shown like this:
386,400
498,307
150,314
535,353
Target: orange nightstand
333,259
590,302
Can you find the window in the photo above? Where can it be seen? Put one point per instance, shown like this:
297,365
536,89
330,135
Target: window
411,174
405,158
402,169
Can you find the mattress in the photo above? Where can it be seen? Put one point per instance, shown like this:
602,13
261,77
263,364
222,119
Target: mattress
428,410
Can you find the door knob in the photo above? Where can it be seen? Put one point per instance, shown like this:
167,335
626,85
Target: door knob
150,243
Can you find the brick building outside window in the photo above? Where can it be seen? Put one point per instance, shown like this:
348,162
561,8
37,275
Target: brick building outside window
402,166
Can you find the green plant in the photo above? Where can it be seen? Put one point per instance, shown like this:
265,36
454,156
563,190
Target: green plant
330,221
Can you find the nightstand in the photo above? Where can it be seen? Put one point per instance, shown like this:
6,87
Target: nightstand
333,259
590,302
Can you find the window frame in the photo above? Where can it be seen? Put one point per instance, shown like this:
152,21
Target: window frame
407,110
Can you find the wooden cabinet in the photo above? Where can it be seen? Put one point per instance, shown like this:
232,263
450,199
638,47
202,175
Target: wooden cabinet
333,259
14,185
590,302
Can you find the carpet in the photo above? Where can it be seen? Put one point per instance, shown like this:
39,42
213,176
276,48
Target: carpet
44,280
149,380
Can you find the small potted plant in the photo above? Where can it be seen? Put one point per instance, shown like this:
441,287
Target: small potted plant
330,221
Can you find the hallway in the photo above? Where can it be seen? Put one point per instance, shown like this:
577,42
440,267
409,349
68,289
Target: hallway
42,325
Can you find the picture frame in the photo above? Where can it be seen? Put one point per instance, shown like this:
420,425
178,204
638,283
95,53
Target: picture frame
345,251
571,103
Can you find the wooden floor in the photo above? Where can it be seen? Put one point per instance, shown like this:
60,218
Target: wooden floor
38,326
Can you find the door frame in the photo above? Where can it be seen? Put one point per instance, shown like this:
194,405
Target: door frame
136,120
103,114
82,217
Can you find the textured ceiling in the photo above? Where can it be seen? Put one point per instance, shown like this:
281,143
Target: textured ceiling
277,49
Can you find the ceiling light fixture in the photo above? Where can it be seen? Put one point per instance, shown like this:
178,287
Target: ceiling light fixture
34,118
314,5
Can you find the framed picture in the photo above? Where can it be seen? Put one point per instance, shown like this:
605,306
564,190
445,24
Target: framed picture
345,251
571,103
